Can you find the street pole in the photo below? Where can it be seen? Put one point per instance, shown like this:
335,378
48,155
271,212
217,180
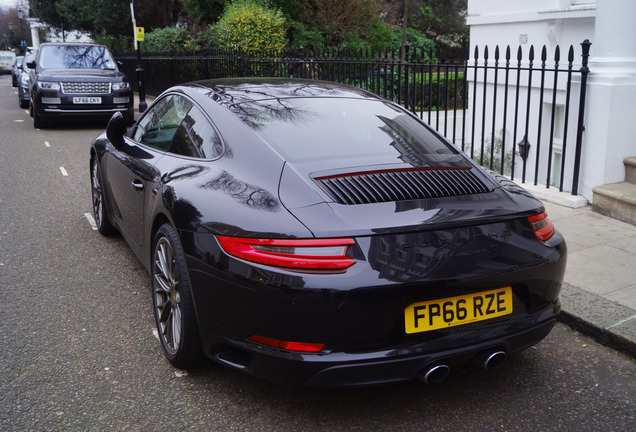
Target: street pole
140,82
140,70
22,41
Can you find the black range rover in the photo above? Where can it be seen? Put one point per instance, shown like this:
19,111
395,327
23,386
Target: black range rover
77,80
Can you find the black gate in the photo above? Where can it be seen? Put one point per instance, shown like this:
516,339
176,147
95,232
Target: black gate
516,115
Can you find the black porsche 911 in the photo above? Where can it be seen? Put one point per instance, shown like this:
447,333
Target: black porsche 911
314,234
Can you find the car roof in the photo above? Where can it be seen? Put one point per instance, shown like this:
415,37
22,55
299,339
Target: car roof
232,91
69,44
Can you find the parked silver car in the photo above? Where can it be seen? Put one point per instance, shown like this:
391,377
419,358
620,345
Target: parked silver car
24,80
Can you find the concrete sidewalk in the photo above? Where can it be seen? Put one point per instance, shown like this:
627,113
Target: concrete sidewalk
599,290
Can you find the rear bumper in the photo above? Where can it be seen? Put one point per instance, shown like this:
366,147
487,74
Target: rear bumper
363,369
360,315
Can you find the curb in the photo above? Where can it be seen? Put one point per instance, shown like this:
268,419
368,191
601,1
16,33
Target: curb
601,335
607,322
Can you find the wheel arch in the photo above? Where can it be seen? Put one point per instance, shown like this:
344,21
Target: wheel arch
190,353
159,220
93,157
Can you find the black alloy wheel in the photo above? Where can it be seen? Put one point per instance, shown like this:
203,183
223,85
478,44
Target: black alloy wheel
99,206
172,302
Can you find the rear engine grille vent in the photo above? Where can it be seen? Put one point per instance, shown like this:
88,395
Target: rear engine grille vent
86,87
387,186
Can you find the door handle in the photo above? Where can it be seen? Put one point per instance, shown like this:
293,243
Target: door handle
138,185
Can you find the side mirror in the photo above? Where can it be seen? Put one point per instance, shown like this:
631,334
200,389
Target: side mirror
31,64
116,130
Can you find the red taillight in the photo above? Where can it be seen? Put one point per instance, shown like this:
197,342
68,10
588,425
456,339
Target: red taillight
542,226
307,254
286,345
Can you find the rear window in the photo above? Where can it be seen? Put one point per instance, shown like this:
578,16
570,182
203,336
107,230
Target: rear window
76,57
325,128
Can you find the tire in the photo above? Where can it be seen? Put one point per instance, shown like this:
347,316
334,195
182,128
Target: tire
38,123
172,302
23,103
99,204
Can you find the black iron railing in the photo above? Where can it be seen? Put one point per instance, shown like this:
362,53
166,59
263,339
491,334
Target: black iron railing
511,115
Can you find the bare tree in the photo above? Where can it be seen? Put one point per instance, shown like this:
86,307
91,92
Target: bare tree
338,18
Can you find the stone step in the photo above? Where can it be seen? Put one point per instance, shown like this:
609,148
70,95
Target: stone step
617,200
630,169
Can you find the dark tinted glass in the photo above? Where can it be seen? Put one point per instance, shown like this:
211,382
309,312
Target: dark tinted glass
28,58
76,57
196,137
311,128
159,124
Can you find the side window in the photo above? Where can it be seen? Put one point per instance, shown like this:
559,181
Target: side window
159,125
196,137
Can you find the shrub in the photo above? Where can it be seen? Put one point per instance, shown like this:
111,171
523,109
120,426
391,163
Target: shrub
414,37
343,22
251,24
115,43
168,39
493,147
378,35
303,35
205,39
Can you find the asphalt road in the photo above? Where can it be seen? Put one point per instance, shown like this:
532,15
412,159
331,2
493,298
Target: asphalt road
77,350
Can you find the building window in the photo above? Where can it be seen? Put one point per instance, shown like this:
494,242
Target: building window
557,144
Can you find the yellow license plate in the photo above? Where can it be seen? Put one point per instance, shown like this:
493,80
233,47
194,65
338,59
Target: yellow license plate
454,311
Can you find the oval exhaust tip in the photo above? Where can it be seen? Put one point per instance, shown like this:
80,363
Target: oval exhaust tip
491,360
434,374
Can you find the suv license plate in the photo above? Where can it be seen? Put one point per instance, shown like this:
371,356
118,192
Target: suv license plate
453,311
87,100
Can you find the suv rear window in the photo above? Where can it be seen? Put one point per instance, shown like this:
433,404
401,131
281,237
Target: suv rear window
76,57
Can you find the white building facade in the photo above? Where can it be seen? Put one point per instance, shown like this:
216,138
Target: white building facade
610,118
